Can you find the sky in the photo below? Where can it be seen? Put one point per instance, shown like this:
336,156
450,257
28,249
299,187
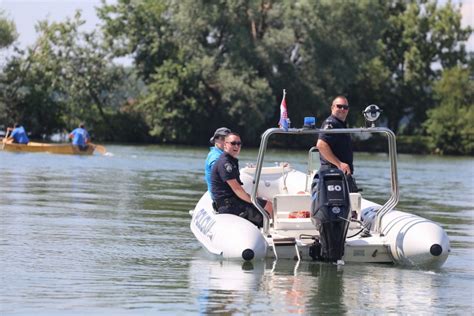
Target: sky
26,13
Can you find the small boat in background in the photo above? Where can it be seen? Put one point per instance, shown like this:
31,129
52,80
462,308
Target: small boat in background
66,149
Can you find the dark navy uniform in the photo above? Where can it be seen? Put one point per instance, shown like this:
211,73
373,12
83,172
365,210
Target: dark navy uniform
341,144
227,168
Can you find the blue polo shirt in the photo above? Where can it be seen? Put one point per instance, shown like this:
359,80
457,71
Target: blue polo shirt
212,156
341,144
19,135
80,136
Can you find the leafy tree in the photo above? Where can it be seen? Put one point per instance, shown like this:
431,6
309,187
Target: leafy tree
26,91
450,124
65,78
7,37
86,79
140,29
419,41
201,69
8,32
208,64
199,65
335,40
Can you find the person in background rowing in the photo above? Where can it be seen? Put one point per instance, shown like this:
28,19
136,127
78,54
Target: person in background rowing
335,150
227,191
18,134
215,152
80,137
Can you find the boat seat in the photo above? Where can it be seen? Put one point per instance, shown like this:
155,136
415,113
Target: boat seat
284,204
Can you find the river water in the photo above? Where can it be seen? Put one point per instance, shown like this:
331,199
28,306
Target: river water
109,235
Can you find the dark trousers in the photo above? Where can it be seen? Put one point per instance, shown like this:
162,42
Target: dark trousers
234,205
83,147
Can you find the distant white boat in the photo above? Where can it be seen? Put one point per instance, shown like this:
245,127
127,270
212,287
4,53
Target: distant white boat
337,227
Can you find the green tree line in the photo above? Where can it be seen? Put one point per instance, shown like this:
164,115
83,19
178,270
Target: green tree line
198,65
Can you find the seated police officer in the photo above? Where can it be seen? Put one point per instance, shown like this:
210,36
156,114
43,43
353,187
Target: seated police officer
227,191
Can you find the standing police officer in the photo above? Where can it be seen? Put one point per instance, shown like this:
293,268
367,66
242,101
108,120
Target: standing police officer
227,191
335,150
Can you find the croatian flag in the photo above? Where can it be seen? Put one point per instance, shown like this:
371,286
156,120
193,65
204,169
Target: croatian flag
283,113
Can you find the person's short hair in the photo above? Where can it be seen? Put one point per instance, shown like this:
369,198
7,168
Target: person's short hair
234,134
16,125
339,97
220,132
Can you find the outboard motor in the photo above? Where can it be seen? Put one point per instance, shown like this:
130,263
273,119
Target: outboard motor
330,212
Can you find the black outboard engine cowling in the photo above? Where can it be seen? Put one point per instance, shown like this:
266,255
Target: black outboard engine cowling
330,212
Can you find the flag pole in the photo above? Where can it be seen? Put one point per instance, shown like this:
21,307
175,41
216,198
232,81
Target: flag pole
284,120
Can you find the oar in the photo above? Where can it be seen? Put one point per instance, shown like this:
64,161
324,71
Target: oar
101,149
5,139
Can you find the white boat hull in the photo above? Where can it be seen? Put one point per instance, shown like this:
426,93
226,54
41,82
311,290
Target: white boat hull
404,238
226,235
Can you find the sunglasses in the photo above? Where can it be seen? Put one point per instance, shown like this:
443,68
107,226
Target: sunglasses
342,106
235,143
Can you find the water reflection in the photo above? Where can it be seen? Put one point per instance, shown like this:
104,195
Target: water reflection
274,287
290,288
225,286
